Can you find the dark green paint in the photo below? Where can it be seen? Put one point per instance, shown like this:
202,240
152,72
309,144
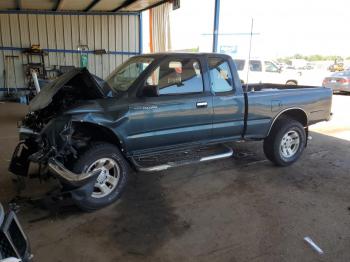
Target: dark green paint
148,124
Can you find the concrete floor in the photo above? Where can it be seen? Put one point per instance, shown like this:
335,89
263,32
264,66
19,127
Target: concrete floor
231,210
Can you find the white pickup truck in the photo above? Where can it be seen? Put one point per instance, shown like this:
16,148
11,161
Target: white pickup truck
265,71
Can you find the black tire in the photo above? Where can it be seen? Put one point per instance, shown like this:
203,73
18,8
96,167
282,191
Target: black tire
101,150
272,143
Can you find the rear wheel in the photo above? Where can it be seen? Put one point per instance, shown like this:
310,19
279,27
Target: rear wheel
285,143
113,172
291,83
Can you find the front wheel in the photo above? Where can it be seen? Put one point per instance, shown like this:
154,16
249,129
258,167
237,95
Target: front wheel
113,172
285,143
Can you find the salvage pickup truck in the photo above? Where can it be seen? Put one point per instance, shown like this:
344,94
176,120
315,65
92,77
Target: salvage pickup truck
155,112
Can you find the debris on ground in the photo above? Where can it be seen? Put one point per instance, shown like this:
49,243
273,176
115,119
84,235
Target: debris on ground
313,245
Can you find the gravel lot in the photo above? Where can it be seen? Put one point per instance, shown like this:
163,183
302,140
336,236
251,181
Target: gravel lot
242,209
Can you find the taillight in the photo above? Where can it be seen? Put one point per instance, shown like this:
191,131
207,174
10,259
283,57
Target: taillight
343,80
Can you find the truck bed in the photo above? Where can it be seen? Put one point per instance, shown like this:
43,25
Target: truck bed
268,101
270,87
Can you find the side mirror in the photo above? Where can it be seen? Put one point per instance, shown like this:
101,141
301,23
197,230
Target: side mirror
150,91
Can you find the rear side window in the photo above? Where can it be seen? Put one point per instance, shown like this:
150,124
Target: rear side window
255,66
180,76
239,64
220,75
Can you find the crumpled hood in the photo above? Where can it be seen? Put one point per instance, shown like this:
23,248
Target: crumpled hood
91,89
107,108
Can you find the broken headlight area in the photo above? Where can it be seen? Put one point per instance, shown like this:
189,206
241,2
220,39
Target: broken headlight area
53,141
20,162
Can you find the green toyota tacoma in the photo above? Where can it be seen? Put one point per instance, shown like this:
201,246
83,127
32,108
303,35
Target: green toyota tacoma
90,134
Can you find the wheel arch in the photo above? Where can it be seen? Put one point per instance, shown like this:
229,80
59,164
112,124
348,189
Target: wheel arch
295,113
292,81
99,133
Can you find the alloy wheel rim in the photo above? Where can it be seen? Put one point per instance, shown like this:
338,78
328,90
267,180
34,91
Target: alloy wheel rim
108,176
290,144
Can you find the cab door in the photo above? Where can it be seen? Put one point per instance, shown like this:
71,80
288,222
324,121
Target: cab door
228,102
180,114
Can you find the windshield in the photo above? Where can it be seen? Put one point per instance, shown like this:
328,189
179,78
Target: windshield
122,78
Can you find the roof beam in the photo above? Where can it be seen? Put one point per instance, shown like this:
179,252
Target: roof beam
126,3
57,5
129,2
155,5
18,4
91,5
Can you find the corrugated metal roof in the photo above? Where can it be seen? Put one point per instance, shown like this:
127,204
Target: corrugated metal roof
79,5
36,4
73,5
107,5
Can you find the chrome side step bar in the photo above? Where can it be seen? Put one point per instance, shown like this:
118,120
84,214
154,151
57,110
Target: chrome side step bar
228,153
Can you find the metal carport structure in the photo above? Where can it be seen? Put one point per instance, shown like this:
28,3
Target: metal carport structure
110,32
61,27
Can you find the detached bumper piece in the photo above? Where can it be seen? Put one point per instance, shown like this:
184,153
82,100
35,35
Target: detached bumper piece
20,159
13,241
69,177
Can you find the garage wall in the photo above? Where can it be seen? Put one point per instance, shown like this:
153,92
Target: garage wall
60,35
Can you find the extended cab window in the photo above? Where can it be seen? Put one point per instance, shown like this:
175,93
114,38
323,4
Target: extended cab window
255,66
220,75
180,76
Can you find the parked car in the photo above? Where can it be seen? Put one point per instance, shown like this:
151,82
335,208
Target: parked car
14,245
336,67
339,82
156,112
265,71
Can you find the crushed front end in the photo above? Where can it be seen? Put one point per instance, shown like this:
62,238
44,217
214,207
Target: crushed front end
46,133
51,147
41,139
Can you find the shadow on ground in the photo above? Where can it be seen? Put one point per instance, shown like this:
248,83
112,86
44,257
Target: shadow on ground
242,209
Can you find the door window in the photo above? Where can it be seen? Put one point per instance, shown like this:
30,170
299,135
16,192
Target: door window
220,75
255,66
181,76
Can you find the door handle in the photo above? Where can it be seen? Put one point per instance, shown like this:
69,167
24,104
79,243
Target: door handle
201,104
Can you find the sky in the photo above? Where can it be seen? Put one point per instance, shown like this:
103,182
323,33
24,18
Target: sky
280,27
